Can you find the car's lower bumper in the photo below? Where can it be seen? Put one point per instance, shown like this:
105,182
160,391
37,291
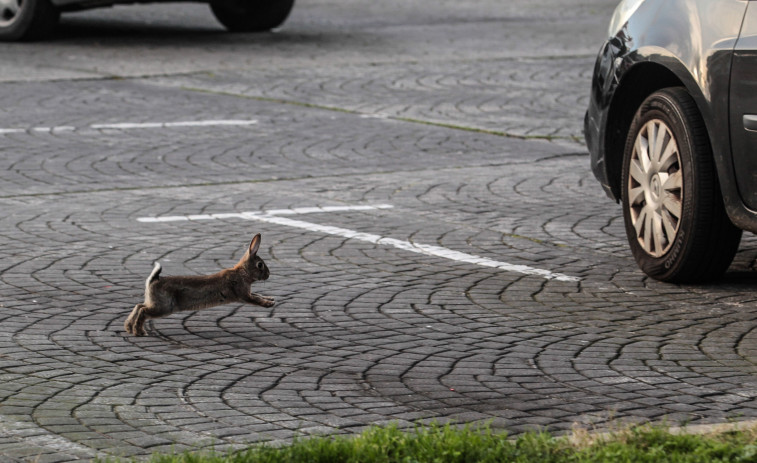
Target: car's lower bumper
595,118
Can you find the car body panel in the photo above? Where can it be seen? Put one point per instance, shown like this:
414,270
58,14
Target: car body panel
693,41
74,5
744,109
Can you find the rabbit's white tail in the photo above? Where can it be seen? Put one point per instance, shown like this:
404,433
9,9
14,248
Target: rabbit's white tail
154,275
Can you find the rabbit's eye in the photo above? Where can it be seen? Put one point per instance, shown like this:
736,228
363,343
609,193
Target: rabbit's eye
260,265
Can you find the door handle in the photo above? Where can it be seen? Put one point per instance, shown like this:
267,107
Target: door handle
750,122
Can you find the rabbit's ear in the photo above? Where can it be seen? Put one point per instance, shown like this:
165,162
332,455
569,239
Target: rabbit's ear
255,244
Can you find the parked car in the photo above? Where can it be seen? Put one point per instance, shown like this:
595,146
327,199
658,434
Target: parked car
35,19
672,131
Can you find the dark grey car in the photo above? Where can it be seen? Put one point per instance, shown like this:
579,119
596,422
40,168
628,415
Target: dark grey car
672,131
35,19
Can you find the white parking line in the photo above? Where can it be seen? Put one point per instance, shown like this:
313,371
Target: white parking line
246,215
160,125
274,216
135,125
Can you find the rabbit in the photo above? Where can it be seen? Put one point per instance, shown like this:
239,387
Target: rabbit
164,296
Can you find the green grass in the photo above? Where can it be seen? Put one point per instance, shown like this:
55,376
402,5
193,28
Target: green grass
449,444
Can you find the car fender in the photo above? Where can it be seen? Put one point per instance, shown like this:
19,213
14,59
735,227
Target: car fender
652,59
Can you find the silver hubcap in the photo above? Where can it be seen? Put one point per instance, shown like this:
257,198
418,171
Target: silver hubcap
9,10
655,188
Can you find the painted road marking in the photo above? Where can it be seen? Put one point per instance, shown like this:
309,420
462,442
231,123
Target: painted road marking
135,125
274,216
160,125
246,215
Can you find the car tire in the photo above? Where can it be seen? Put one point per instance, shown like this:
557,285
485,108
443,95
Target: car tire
251,15
24,20
673,210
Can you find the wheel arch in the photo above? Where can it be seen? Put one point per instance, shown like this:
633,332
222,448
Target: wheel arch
636,85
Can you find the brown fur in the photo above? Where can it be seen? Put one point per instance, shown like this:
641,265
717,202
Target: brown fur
167,295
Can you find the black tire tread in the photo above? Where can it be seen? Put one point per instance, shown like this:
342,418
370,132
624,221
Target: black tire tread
265,16
38,23
713,240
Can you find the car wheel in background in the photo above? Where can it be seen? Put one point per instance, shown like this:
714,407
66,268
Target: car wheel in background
674,215
27,19
251,15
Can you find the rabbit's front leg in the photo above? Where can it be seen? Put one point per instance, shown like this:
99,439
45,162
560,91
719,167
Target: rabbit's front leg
257,299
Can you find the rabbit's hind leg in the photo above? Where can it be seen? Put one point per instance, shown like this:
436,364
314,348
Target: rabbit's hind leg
135,324
135,320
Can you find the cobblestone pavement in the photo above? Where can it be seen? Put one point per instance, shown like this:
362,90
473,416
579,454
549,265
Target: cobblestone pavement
438,247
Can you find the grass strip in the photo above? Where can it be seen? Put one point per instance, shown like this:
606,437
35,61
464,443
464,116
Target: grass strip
451,444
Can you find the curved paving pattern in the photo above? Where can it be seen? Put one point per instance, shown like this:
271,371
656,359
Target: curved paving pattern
543,97
73,156
362,333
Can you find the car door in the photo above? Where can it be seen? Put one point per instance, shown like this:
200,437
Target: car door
743,113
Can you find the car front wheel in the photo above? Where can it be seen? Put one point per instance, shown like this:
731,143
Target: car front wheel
27,19
251,15
674,216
